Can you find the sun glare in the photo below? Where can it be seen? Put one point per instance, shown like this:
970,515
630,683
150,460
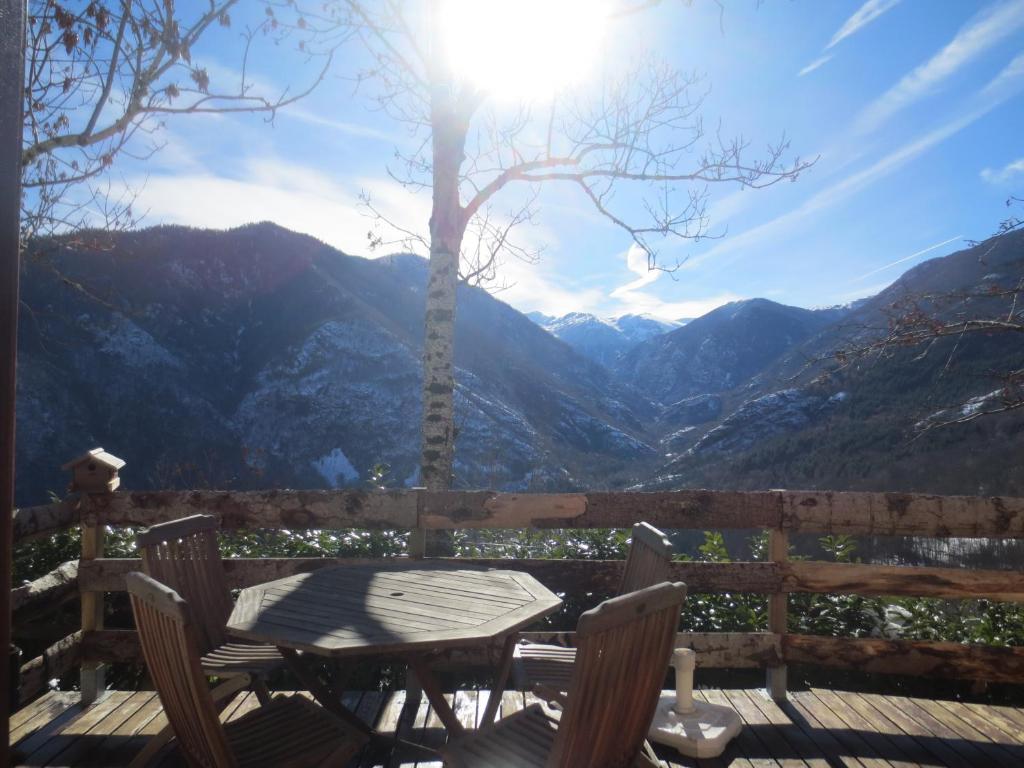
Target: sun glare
522,49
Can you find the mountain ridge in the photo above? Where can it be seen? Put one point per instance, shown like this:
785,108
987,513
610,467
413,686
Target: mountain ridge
260,357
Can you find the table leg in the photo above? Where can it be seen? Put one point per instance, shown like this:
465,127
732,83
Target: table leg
500,680
436,696
321,692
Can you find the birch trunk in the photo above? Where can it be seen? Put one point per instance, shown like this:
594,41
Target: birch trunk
446,231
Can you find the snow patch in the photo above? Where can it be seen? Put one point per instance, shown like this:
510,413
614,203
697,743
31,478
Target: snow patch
336,469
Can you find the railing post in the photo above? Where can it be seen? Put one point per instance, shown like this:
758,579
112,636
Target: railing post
778,603
93,673
418,536
93,473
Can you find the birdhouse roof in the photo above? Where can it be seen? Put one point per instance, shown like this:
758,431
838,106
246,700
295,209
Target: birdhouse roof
97,455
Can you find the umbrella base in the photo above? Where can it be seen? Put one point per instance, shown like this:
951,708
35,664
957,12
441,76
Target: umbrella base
705,732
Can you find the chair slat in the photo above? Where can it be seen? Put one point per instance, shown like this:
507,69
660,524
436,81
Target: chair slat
183,554
288,732
622,655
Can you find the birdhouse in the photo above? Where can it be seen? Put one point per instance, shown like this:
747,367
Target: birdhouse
94,472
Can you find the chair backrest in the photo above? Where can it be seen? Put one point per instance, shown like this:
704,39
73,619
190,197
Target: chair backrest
172,657
649,559
183,554
622,654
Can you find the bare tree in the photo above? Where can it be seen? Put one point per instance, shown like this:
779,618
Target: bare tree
102,76
640,133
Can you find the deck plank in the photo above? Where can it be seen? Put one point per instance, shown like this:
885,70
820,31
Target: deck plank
818,732
41,712
1002,717
995,754
742,751
877,731
798,741
771,739
941,753
990,727
964,748
814,729
60,743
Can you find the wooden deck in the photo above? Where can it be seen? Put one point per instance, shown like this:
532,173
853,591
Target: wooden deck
816,728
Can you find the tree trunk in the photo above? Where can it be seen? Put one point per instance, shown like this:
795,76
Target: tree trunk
446,231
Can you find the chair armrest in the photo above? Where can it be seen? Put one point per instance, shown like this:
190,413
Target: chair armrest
230,687
551,695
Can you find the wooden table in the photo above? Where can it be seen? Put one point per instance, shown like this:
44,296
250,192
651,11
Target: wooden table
405,610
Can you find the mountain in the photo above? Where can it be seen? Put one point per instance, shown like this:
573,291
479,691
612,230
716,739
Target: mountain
719,351
603,340
257,357
805,421
260,357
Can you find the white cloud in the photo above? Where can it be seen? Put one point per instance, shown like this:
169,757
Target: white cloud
1001,87
640,303
891,264
861,293
1002,175
532,288
815,64
632,299
983,31
636,262
349,129
297,197
863,16
1006,80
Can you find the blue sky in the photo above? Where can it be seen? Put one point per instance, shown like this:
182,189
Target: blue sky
913,107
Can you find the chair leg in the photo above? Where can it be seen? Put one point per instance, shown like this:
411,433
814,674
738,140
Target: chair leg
221,696
154,745
259,687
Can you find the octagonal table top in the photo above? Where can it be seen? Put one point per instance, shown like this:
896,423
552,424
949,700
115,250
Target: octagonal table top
389,608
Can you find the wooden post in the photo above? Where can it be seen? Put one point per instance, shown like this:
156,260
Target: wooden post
418,543
93,673
12,67
418,536
778,551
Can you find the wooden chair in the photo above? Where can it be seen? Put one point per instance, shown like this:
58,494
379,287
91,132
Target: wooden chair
648,563
290,731
183,554
622,655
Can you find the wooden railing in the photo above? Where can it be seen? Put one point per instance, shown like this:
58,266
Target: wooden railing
781,513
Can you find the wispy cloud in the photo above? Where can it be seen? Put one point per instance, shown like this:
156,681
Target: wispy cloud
349,129
861,293
531,287
1004,85
863,16
632,299
815,64
1004,174
636,262
905,259
983,31
641,303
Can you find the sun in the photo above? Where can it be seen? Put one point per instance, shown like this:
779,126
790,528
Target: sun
522,50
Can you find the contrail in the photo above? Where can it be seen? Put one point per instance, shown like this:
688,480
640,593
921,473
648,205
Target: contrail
907,258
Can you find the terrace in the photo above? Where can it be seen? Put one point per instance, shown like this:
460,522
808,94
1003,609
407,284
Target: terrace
816,727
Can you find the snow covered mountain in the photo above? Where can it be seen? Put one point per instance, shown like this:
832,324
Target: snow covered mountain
260,357
603,340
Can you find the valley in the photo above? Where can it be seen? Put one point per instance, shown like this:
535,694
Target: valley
262,357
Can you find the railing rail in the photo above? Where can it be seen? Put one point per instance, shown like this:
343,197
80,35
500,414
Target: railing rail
780,512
